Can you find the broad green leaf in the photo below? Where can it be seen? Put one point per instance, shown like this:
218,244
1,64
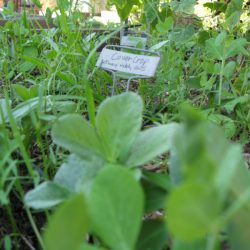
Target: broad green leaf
220,39
153,236
161,180
230,106
151,143
203,36
215,46
77,174
159,45
46,195
25,93
229,69
65,107
183,36
238,230
227,123
237,47
175,168
187,245
25,67
186,6
238,226
33,90
163,27
234,6
118,122
90,247
77,135
220,48
150,10
155,197
34,61
227,170
24,108
232,20
116,207
21,91
216,6
125,8
192,210
194,82
46,103
68,226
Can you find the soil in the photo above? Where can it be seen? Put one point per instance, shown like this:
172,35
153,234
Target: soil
24,238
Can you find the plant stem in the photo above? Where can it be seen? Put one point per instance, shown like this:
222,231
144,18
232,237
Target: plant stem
221,81
244,198
12,219
18,138
33,224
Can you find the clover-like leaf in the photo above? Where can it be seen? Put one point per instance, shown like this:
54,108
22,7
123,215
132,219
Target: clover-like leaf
116,207
68,225
151,143
77,135
192,209
118,122
77,174
46,195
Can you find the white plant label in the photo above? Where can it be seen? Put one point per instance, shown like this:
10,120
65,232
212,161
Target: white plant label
132,41
128,63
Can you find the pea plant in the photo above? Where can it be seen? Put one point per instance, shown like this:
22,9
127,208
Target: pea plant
157,170
107,197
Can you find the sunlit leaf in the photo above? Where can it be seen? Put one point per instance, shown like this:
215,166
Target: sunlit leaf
118,122
68,226
46,195
153,235
77,135
116,207
192,210
151,143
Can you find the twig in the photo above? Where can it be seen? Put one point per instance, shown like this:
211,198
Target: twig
28,243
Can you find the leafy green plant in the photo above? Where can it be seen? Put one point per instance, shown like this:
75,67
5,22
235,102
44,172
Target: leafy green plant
206,199
115,140
222,48
123,7
208,196
49,80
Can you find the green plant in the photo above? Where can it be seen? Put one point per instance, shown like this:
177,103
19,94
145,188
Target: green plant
213,183
208,196
222,48
115,140
49,80
123,7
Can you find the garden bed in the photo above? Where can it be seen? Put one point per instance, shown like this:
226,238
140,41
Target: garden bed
161,167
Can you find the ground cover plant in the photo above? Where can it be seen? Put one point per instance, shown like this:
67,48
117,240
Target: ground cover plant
162,167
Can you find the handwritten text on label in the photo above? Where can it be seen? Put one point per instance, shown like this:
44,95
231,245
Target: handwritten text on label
128,62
